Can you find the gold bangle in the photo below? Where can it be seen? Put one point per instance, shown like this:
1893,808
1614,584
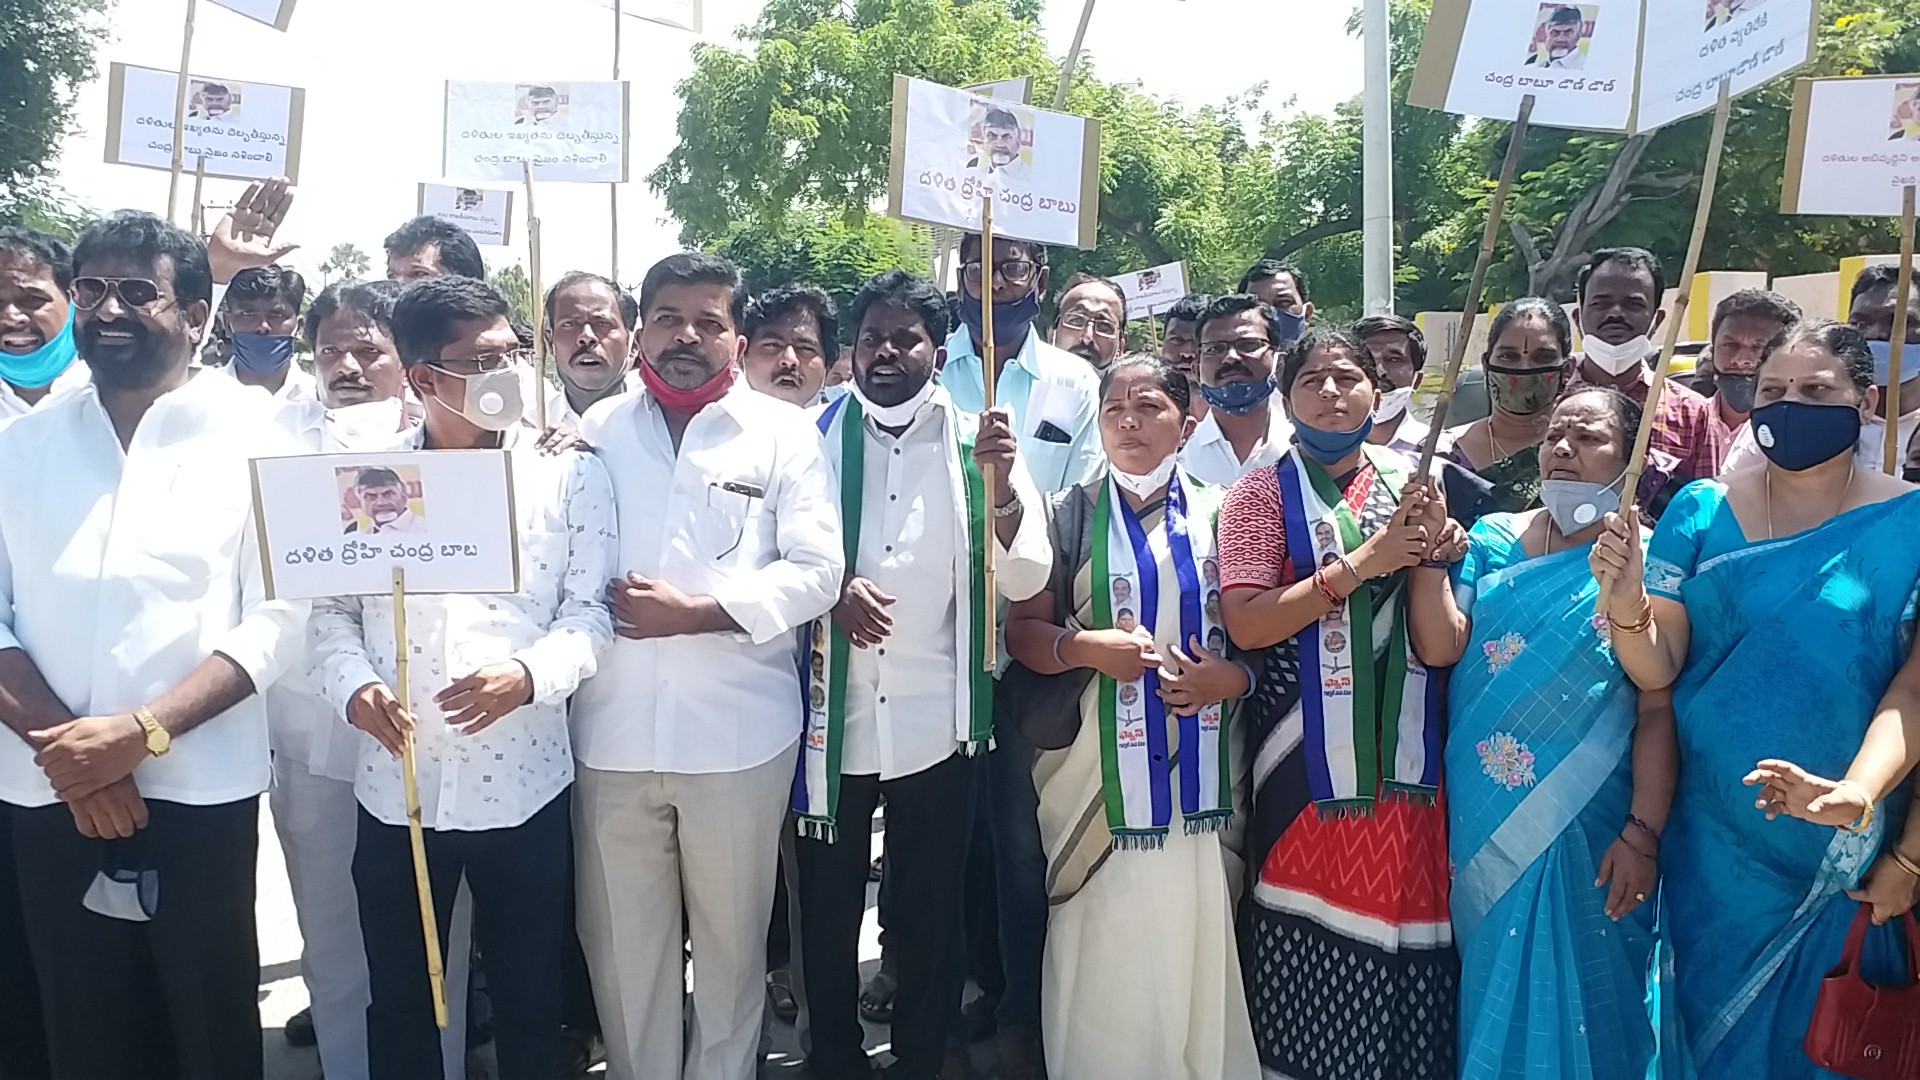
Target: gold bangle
1906,864
1637,627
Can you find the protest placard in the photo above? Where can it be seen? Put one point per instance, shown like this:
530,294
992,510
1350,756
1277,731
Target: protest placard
574,132
1853,144
1690,47
275,13
340,524
1014,90
951,147
1480,57
243,130
486,213
1153,290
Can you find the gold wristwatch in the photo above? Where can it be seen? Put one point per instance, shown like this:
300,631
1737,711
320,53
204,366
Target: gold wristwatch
159,739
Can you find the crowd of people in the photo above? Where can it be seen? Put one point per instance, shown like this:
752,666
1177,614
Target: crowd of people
1258,753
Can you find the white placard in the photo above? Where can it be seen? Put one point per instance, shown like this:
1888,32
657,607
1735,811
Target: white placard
683,14
572,131
951,147
275,13
244,130
486,213
1014,90
1854,145
338,524
1153,290
1480,57
1691,47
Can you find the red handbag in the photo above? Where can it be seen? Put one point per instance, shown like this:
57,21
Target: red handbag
1864,1031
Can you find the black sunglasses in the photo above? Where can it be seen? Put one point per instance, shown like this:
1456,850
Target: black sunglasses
90,292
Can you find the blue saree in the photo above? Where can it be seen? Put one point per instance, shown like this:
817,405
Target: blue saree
1539,775
1794,641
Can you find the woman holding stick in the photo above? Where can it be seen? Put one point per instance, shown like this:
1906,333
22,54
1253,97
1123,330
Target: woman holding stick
1559,774
1133,812
1352,971
1778,603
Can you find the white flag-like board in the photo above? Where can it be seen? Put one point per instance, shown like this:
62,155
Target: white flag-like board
1853,146
275,13
951,147
681,14
242,130
1153,290
573,132
1688,51
1014,90
340,524
485,213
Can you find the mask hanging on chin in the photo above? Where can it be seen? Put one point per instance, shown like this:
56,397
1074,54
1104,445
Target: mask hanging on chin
1011,321
1393,405
1238,399
894,416
1576,504
1145,485
687,401
1617,360
39,368
1327,447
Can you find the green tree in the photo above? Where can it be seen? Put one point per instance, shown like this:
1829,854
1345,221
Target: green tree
825,251
46,54
513,284
346,262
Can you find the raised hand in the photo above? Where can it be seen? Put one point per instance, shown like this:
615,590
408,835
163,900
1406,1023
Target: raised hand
245,236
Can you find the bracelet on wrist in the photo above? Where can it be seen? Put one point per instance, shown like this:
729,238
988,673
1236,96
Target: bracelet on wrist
1057,639
1905,863
1865,820
1011,508
1638,626
1644,828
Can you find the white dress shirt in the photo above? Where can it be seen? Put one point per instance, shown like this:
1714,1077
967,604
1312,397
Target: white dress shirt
1071,391
557,626
300,384
122,570
902,695
1869,450
12,404
1210,457
560,412
745,512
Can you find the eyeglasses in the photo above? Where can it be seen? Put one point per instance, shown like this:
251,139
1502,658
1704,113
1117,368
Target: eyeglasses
490,362
1015,272
90,292
1102,327
1248,348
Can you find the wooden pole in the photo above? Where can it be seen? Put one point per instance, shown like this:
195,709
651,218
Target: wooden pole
1895,452
436,971
198,215
1709,179
988,376
613,189
180,116
539,302
1476,284
1073,58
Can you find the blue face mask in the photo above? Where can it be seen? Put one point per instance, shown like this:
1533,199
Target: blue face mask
1883,362
1327,447
1238,399
1797,435
1010,321
37,369
263,353
1291,327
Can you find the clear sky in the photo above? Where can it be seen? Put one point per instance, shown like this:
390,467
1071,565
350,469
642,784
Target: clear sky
373,71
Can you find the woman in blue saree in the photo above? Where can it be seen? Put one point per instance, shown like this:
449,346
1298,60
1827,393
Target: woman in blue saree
1558,775
1778,604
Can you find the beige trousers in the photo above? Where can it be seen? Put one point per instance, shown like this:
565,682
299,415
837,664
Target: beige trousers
649,847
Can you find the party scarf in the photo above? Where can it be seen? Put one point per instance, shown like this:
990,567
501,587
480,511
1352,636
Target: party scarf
1371,729
816,787
1130,569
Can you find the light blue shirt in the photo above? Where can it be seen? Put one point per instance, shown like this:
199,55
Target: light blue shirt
1054,466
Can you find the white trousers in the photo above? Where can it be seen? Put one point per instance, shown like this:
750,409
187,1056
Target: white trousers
650,847
315,819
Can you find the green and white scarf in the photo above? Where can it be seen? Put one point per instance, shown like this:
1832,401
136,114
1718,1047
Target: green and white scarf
816,787
1178,554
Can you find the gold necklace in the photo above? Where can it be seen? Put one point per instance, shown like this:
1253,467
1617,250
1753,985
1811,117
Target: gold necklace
1851,464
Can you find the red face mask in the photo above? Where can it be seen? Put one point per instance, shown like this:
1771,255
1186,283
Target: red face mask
687,401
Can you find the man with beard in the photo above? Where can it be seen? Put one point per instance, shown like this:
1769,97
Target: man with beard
729,543
1400,351
1619,310
135,640
36,321
590,322
1180,343
790,331
261,306
899,703
1092,320
1241,342
1279,285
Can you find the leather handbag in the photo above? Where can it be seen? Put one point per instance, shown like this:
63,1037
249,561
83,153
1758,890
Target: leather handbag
1045,709
1864,1031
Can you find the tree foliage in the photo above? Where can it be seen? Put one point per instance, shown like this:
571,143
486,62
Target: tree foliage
46,54
346,262
517,288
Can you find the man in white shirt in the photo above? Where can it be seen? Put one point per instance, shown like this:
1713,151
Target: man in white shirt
729,542
590,322
790,331
1241,343
491,676
1051,392
261,308
135,637
36,323
899,701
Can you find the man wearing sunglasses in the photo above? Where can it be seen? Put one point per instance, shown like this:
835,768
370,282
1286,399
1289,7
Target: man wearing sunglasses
1092,321
490,682
37,352
135,640
1241,342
